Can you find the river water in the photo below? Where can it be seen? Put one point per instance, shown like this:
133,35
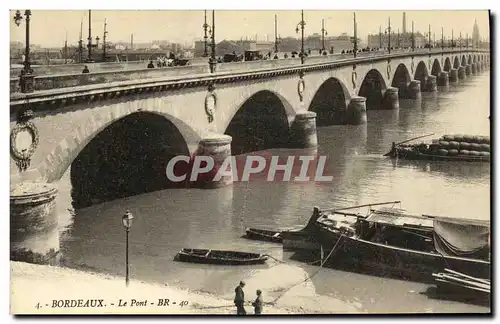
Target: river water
168,220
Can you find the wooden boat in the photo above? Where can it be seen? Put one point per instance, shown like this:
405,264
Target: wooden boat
219,257
302,238
432,152
392,240
264,235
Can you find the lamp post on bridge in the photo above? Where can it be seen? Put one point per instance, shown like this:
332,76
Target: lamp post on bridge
430,47
277,38
412,36
205,37
27,77
302,24
399,43
127,224
323,33
212,61
104,58
460,43
355,40
452,40
387,31
380,37
442,38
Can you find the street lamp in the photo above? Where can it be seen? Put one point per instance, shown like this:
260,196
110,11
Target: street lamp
387,31
460,42
212,61
277,39
27,77
127,223
301,23
355,40
323,33
206,27
452,41
412,36
442,38
89,45
399,42
429,37
104,41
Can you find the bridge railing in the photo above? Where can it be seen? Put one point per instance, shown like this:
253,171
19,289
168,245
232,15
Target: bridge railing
75,80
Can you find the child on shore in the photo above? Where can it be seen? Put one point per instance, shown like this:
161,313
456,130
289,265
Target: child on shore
257,304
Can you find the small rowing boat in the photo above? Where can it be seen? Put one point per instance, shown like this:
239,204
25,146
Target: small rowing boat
219,257
264,235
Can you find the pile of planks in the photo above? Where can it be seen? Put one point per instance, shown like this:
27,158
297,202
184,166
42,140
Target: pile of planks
460,280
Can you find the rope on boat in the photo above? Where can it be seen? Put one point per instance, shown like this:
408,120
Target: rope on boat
274,258
311,276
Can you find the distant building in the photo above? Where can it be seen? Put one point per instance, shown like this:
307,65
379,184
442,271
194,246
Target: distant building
402,40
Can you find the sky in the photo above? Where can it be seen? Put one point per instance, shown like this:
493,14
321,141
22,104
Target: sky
49,27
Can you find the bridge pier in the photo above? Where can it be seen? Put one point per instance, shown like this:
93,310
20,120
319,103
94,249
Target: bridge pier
391,98
34,236
461,73
356,111
218,147
303,130
453,75
468,70
414,91
430,83
474,68
443,79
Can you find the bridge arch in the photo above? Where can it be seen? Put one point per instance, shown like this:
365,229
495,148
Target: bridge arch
421,73
261,122
474,58
464,60
436,67
330,102
447,64
100,152
373,88
469,59
401,79
456,63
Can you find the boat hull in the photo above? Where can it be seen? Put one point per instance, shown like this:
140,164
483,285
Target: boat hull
390,259
411,155
237,258
300,240
264,235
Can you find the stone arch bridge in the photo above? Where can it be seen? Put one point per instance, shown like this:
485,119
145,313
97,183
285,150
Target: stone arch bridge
93,128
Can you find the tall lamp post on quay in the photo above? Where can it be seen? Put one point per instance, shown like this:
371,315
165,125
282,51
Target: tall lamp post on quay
323,33
302,24
127,224
27,77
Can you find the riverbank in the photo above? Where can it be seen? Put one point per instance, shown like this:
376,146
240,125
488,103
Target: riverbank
38,289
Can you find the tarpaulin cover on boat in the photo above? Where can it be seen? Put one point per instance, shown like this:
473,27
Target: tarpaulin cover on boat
459,239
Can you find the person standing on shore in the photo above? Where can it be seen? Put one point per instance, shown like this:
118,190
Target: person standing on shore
257,304
239,299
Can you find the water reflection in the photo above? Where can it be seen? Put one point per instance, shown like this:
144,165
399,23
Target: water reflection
457,170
